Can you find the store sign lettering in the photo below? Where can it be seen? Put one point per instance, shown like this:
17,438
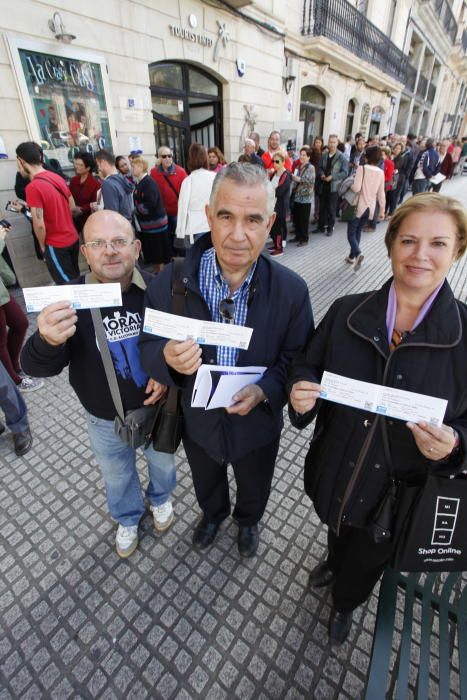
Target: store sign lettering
188,34
43,71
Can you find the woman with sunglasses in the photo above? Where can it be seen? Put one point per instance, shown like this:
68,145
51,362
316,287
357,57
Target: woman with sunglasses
281,181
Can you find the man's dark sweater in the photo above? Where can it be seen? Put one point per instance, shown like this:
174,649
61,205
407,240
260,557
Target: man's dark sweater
81,353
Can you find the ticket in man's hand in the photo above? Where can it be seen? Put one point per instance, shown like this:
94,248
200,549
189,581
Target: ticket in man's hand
80,296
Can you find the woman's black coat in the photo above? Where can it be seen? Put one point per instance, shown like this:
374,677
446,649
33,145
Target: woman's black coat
353,453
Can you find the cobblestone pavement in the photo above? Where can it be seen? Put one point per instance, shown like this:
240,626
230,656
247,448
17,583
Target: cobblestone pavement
78,622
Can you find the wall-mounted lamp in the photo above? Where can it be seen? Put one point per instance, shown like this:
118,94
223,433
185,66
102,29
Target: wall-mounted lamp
290,73
58,28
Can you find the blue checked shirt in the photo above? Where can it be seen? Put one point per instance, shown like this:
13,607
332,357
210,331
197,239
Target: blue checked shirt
214,289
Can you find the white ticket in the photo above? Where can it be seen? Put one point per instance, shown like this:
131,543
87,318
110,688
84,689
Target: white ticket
204,332
395,403
230,381
80,296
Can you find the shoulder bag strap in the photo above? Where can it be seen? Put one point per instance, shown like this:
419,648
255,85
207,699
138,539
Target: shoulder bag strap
167,179
107,361
45,179
178,308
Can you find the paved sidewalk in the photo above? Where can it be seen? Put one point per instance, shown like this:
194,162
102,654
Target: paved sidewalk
78,622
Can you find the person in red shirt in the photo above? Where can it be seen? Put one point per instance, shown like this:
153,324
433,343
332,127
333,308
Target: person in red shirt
389,170
51,204
274,146
84,188
169,178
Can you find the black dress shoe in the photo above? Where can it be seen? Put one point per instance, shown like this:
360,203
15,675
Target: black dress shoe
317,230
2,428
22,442
329,232
339,626
321,575
248,540
204,534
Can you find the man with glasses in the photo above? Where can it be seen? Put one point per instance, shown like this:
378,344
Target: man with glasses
66,337
228,280
169,177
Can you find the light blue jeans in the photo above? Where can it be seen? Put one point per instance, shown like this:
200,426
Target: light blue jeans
118,466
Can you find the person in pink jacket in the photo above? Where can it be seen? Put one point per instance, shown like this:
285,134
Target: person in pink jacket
369,184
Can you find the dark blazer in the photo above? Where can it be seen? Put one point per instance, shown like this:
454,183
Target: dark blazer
280,313
353,452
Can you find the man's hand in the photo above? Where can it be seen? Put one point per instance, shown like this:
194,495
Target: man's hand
94,206
184,356
246,399
155,391
304,396
57,322
77,211
434,443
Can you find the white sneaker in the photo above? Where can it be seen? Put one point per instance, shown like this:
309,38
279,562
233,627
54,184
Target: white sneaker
29,384
162,516
358,262
126,540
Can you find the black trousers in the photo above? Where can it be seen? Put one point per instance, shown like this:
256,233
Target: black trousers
253,475
62,263
357,562
301,215
327,209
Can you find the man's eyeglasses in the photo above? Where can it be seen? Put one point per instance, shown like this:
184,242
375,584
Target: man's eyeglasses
115,244
227,309
167,155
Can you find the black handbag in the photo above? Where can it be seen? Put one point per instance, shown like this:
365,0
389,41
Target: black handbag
168,427
431,525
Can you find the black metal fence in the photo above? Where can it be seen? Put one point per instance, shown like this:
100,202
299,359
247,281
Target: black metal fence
339,21
446,17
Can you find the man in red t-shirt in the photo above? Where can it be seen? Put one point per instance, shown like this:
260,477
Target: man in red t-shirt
51,204
274,145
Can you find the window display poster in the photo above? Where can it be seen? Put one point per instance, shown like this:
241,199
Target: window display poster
69,104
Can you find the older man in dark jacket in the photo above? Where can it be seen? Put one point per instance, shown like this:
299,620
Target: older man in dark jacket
226,268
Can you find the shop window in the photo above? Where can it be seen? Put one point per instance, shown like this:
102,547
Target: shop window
68,101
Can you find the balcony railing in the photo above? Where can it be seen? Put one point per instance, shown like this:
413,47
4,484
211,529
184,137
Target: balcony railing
411,78
430,98
422,86
446,17
339,21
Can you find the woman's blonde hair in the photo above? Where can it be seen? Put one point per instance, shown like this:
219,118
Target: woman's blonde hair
430,201
138,160
282,155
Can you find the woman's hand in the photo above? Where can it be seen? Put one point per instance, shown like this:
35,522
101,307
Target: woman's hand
304,395
434,443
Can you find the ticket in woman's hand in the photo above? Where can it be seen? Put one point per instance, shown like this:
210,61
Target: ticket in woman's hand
80,296
385,400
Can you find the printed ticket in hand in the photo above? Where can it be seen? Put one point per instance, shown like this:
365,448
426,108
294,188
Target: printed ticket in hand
80,296
395,403
203,332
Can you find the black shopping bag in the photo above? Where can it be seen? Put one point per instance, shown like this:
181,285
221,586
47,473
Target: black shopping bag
431,526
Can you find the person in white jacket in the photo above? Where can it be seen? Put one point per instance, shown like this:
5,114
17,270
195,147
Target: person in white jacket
194,195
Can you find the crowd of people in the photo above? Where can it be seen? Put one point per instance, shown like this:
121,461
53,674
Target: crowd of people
131,222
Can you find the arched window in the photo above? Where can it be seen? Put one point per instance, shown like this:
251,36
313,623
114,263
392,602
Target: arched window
312,108
186,107
350,118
